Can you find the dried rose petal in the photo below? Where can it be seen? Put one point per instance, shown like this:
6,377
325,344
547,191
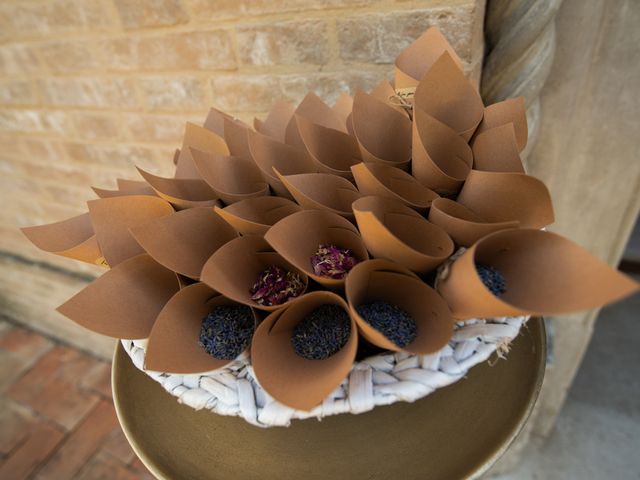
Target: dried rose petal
275,285
333,262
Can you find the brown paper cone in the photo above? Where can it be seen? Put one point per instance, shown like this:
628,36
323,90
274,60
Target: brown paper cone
236,138
215,121
254,216
545,274
125,187
332,151
505,112
176,156
185,240
288,377
463,225
275,125
390,182
496,150
72,238
416,60
445,94
386,93
395,232
174,341
316,111
182,192
112,217
298,236
383,133
441,158
322,191
343,108
268,154
504,197
384,281
201,139
234,268
231,178
125,301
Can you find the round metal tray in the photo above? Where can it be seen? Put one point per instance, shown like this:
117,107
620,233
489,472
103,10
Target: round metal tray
456,432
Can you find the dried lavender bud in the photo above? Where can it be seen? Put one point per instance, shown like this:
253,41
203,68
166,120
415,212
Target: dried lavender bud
227,331
275,285
390,320
322,333
333,262
492,279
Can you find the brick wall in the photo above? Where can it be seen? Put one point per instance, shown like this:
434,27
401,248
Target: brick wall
88,88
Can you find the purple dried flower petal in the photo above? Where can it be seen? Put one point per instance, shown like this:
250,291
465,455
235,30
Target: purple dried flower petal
333,262
275,285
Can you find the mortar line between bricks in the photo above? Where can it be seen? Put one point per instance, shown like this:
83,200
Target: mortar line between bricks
46,266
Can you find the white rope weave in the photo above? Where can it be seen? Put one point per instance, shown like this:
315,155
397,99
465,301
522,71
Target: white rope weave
379,380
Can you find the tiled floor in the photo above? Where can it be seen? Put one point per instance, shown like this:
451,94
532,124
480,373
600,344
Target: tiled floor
57,419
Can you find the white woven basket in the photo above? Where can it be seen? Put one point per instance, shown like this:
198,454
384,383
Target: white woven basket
379,380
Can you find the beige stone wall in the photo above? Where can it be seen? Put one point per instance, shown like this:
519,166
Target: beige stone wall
90,88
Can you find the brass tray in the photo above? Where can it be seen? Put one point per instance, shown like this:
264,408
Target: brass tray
456,432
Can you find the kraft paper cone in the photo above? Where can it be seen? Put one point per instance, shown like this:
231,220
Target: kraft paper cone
125,187
504,197
275,125
176,156
125,301
236,137
269,153
215,121
496,150
231,178
182,192
416,60
316,111
463,225
174,343
343,107
234,268
390,182
322,191
395,232
112,217
441,158
298,236
254,216
383,281
288,377
332,151
387,94
185,240
545,274
505,112
201,139
383,133
72,238
445,94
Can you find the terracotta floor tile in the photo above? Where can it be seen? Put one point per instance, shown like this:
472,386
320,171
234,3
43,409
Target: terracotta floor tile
15,424
51,387
40,443
19,350
105,467
118,446
82,443
99,380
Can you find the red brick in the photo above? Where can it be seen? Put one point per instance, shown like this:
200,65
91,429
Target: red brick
150,13
51,387
99,380
19,350
41,442
105,467
15,424
82,443
118,446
